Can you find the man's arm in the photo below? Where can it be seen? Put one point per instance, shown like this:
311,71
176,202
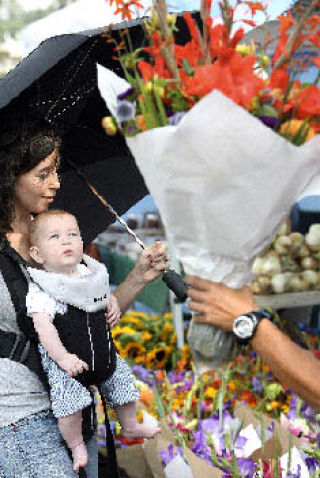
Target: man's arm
218,305
297,368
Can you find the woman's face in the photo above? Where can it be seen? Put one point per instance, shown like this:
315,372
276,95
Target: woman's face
36,189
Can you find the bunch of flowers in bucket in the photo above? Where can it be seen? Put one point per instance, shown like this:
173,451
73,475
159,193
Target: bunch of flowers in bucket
149,340
167,79
236,424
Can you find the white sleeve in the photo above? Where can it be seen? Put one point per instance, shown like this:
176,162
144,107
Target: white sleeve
38,301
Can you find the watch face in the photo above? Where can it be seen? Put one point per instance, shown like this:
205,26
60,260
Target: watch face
243,327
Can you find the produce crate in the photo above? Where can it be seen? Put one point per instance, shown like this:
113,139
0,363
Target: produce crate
289,299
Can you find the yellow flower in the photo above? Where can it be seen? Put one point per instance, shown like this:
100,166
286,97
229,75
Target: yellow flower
109,125
132,320
134,349
210,392
146,336
291,128
275,405
118,330
158,357
168,315
285,409
166,331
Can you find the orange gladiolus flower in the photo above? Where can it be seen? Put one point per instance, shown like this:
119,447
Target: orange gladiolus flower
308,102
234,78
124,8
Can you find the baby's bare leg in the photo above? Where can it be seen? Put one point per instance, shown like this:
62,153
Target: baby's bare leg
131,428
71,431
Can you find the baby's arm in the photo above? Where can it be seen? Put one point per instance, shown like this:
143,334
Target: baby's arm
50,340
113,311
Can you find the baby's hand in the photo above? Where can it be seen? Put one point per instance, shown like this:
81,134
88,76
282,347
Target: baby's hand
71,364
113,311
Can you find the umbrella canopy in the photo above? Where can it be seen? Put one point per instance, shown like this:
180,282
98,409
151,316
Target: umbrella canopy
56,85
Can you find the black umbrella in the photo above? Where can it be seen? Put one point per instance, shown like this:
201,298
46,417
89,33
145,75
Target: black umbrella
57,86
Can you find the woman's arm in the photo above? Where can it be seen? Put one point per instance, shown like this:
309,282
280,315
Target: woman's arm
150,265
50,340
218,305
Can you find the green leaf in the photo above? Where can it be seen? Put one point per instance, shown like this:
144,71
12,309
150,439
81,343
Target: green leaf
188,69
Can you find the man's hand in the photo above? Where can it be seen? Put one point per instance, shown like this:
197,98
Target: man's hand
113,314
216,304
71,364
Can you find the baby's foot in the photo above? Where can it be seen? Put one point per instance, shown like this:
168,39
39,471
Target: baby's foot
139,430
80,456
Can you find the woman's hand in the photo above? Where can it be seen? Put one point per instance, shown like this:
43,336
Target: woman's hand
152,262
113,311
217,304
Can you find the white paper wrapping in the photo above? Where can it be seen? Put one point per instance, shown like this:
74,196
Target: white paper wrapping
223,183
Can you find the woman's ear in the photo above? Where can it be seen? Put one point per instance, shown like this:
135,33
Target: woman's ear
35,254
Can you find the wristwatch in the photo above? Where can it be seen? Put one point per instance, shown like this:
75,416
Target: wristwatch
245,326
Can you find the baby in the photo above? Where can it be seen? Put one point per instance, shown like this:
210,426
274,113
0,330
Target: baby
67,301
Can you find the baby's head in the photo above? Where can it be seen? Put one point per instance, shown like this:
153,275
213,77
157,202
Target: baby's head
56,242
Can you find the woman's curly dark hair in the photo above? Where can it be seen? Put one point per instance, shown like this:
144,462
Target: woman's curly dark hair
19,153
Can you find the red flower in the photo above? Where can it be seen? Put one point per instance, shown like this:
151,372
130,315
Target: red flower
308,102
124,8
234,78
279,79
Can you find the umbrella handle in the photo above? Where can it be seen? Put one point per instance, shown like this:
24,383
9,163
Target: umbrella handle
175,283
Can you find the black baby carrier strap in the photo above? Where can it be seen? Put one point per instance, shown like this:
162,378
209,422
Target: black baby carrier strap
88,336
18,347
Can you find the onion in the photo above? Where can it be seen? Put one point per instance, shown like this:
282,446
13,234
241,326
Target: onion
282,244
278,283
297,241
313,237
257,266
297,283
271,264
309,263
310,277
264,284
303,251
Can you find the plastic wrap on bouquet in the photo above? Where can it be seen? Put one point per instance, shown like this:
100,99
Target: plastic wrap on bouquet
224,183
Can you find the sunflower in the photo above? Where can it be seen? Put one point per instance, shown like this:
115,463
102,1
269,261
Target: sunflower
158,357
134,349
132,320
118,331
166,331
146,336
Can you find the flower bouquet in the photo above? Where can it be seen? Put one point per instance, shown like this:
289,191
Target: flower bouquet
225,139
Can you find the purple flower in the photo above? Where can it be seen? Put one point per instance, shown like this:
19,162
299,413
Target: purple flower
125,111
270,121
143,374
168,455
312,464
257,385
176,118
246,467
126,93
201,447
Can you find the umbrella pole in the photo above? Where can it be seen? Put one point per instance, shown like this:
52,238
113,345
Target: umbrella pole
170,277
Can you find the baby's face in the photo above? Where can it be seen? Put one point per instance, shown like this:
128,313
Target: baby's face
59,245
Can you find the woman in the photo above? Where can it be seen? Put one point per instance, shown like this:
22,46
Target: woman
30,444
218,305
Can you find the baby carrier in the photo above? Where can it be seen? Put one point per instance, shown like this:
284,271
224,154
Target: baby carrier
23,348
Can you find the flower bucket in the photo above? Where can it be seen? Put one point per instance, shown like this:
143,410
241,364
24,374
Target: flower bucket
198,467
223,183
